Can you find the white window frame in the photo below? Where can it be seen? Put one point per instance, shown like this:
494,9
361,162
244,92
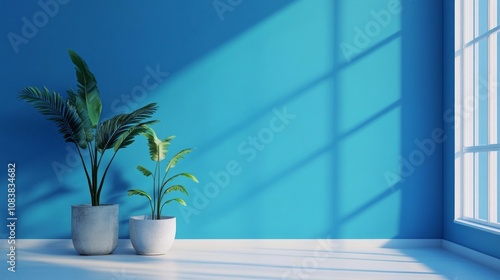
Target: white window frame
467,98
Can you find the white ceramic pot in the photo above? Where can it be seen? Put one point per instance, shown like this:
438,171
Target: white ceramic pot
94,229
152,237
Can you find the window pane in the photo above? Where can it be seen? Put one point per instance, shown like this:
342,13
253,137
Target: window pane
468,185
468,100
482,185
492,186
482,16
482,121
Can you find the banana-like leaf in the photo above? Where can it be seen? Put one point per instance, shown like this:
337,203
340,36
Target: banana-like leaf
76,101
179,188
180,200
144,171
180,155
139,192
87,88
110,131
128,137
157,148
56,109
187,175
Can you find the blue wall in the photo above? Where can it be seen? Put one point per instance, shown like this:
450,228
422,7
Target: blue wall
311,119
476,239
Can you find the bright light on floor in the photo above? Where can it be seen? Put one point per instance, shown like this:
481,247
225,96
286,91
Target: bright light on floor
249,259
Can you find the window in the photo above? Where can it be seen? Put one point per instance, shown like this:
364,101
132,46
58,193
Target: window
477,159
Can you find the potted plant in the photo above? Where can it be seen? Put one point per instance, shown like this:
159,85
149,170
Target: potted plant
94,227
154,234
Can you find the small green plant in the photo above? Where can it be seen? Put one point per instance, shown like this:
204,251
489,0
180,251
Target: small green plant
158,152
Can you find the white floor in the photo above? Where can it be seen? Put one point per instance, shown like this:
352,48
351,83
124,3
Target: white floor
245,259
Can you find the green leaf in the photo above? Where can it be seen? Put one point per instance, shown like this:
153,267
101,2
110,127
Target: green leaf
157,148
77,102
63,114
180,200
128,137
179,188
144,171
187,175
180,155
139,192
110,131
87,88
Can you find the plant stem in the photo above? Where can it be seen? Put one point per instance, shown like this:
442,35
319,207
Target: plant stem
84,168
95,202
105,172
153,204
158,196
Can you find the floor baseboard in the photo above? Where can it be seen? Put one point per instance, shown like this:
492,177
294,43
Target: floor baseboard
471,254
246,243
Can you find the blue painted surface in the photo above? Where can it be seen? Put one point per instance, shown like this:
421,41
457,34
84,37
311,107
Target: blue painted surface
311,119
481,241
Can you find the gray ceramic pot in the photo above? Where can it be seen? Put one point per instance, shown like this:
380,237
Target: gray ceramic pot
94,229
152,237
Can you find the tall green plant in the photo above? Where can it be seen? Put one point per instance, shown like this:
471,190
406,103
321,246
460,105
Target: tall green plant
78,119
158,152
